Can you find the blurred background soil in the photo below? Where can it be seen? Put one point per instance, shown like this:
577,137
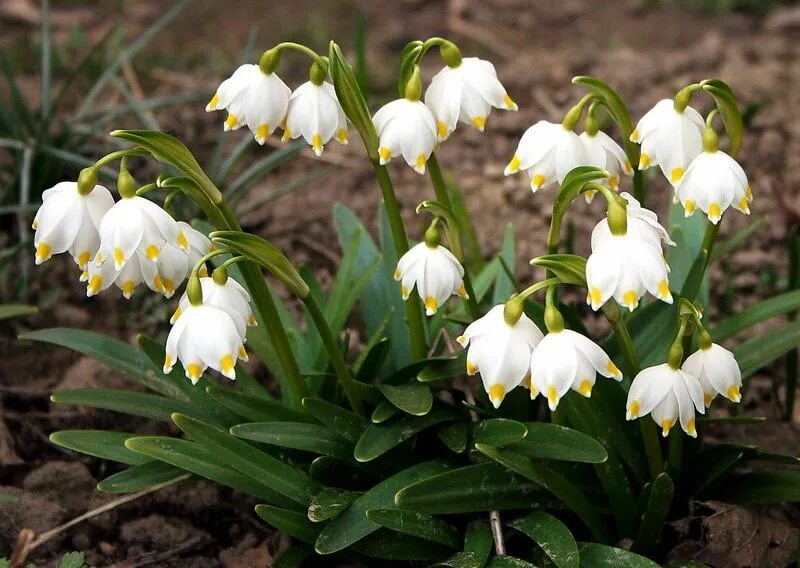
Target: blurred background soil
646,50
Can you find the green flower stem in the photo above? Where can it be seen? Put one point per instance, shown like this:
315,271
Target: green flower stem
639,190
443,197
413,306
318,59
119,154
265,306
145,188
652,446
675,453
335,353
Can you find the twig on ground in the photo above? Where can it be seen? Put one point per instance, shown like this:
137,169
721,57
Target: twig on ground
157,557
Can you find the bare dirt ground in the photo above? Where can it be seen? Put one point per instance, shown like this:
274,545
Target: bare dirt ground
645,50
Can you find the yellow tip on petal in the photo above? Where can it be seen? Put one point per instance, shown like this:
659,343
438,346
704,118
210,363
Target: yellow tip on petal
404,292
689,207
385,154
341,135
691,429
175,315
35,224
243,354
169,286
251,320
744,206
167,364
663,289
586,388
676,174
150,252
95,283
119,256
441,129
628,166
613,369
734,393
183,242
509,102
462,292
714,212
595,295
83,259
231,121
479,122
552,395
287,134
420,163
262,131
431,305
526,382
613,182
707,398
226,364
462,341
513,165
43,252
538,181
127,288
749,193
472,368
203,272
633,409
496,394
644,161
212,104
666,425
635,135
629,299
194,371
316,144
397,274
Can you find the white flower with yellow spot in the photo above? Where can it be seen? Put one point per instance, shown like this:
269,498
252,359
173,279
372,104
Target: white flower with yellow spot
136,270
668,395
714,182
253,98
136,225
204,336
603,152
718,372
406,128
500,352
316,115
548,152
626,266
228,296
174,265
566,360
466,93
436,273
669,138
69,221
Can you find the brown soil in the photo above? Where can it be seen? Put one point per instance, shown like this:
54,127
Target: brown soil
645,50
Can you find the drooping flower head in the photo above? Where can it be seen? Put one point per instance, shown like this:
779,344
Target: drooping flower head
174,265
315,114
718,372
499,351
668,395
225,294
624,266
603,152
69,220
137,269
548,152
406,128
465,92
670,138
434,271
566,360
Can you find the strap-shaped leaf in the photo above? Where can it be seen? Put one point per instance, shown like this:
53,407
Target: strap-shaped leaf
334,472
714,462
556,442
552,536
110,352
444,368
510,562
252,462
482,487
353,525
378,439
389,545
461,560
569,268
100,444
479,540
761,350
416,524
329,502
254,408
347,424
558,485
297,435
414,399
193,457
352,99
499,432
755,314
455,436
383,412
602,556
140,477
659,502
16,310
293,523
758,487
728,109
127,402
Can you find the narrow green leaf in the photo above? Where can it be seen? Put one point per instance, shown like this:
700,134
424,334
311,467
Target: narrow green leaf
461,560
499,432
297,435
328,503
378,439
455,436
655,513
479,540
729,110
16,310
510,562
293,556
253,408
252,462
420,525
413,399
353,525
127,402
99,443
389,545
761,350
140,477
552,536
712,463
345,423
444,368
333,472
569,268
383,412
475,488
755,314
602,556
289,522
503,284
758,487
556,442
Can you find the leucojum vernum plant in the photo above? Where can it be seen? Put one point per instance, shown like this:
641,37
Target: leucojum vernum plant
572,449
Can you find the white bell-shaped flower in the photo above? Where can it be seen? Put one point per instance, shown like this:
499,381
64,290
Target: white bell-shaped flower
669,138
499,351
174,265
227,295
137,270
714,182
548,152
253,98
135,224
566,360
204,336
603,152
626,266
316,115
435,272
70,221
668,395
466,93
406,128
718,372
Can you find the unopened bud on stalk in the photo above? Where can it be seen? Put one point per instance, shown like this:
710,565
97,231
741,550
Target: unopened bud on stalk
87,179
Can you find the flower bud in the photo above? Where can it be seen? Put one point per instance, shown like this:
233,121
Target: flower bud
450,54
87,179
